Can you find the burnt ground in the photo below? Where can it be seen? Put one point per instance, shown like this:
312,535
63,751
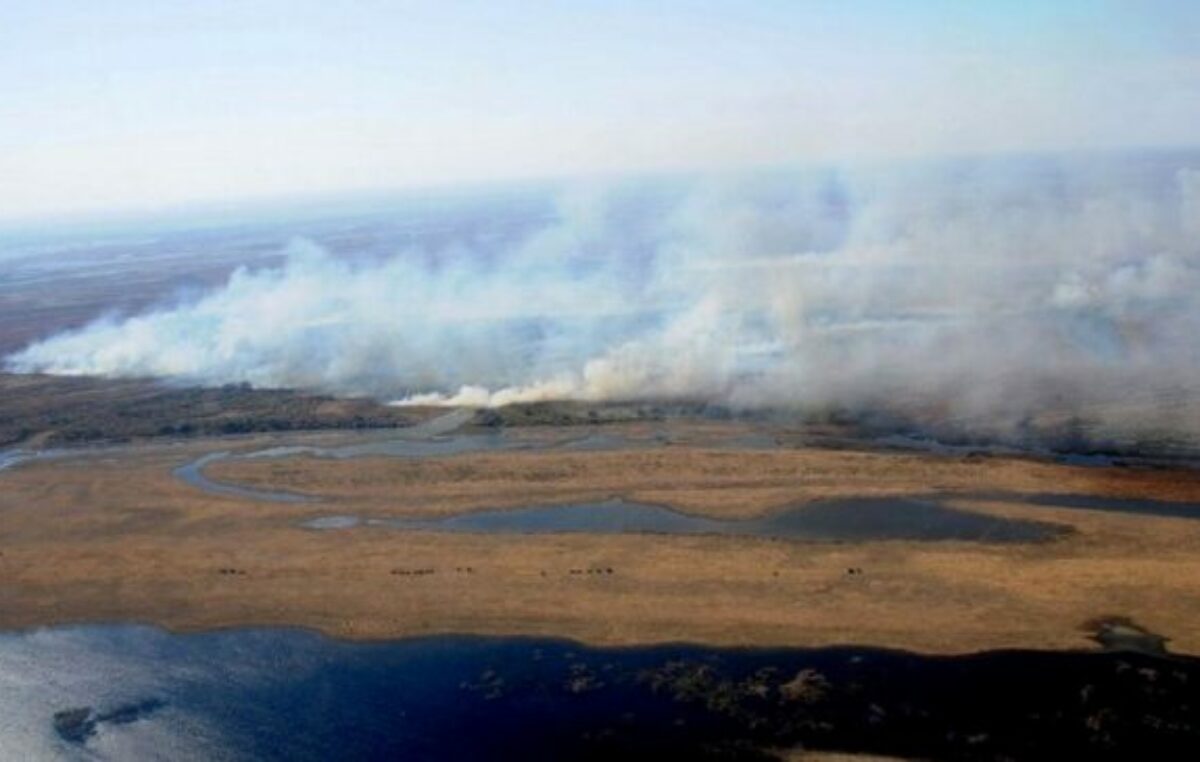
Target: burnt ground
46,411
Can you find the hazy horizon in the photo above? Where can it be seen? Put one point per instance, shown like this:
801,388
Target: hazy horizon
125,107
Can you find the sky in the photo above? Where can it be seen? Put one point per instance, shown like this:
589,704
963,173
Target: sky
115,105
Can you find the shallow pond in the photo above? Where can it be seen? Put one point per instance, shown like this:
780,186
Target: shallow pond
828,520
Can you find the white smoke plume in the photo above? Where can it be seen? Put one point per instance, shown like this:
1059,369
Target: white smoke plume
986,295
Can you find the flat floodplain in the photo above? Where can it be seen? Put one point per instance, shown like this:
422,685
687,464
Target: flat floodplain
114,535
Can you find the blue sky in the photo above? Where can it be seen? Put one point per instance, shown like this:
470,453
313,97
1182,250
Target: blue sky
111,105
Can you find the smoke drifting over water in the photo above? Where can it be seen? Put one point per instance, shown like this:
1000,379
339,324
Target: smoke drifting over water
987,297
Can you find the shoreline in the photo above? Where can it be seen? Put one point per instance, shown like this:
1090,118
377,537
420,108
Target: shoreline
1097,648
402,637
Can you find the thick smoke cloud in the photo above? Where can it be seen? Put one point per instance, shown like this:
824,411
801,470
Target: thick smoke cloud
991,298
